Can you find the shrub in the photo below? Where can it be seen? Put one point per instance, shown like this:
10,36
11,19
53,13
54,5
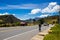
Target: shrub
55,34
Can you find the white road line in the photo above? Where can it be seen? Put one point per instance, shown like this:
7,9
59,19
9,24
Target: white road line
20,34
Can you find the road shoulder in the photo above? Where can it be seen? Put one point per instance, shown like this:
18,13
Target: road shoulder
40,35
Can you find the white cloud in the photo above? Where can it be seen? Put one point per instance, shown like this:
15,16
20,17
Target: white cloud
56,8
6,13
13,14
21,6
52,4
34,11
52,7
42,16
0,13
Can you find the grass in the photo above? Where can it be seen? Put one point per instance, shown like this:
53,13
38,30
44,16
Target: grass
55,34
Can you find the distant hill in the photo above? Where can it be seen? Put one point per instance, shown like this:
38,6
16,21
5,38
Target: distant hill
48,19
51,19
8,19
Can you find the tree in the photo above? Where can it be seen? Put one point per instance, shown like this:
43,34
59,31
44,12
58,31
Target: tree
17,23
41,21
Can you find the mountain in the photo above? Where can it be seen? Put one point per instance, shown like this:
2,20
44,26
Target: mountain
48,19
8,19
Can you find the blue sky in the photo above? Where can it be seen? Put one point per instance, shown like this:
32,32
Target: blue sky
25,9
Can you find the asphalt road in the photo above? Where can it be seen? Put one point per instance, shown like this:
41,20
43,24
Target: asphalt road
25,32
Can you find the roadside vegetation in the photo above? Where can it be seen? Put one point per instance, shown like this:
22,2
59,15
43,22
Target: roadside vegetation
54,33
10,20
9,24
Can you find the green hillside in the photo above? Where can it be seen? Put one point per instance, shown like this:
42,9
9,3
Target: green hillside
8,20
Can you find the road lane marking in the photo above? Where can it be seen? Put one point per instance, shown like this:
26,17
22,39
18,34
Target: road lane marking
20,34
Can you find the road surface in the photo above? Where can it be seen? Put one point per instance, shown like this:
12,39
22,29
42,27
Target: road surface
24,32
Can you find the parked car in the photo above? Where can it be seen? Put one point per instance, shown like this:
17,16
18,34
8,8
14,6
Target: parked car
45,24
23,24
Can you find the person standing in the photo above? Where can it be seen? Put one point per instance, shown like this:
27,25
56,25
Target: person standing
39,27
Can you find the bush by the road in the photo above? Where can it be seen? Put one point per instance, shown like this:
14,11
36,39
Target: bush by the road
55,34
